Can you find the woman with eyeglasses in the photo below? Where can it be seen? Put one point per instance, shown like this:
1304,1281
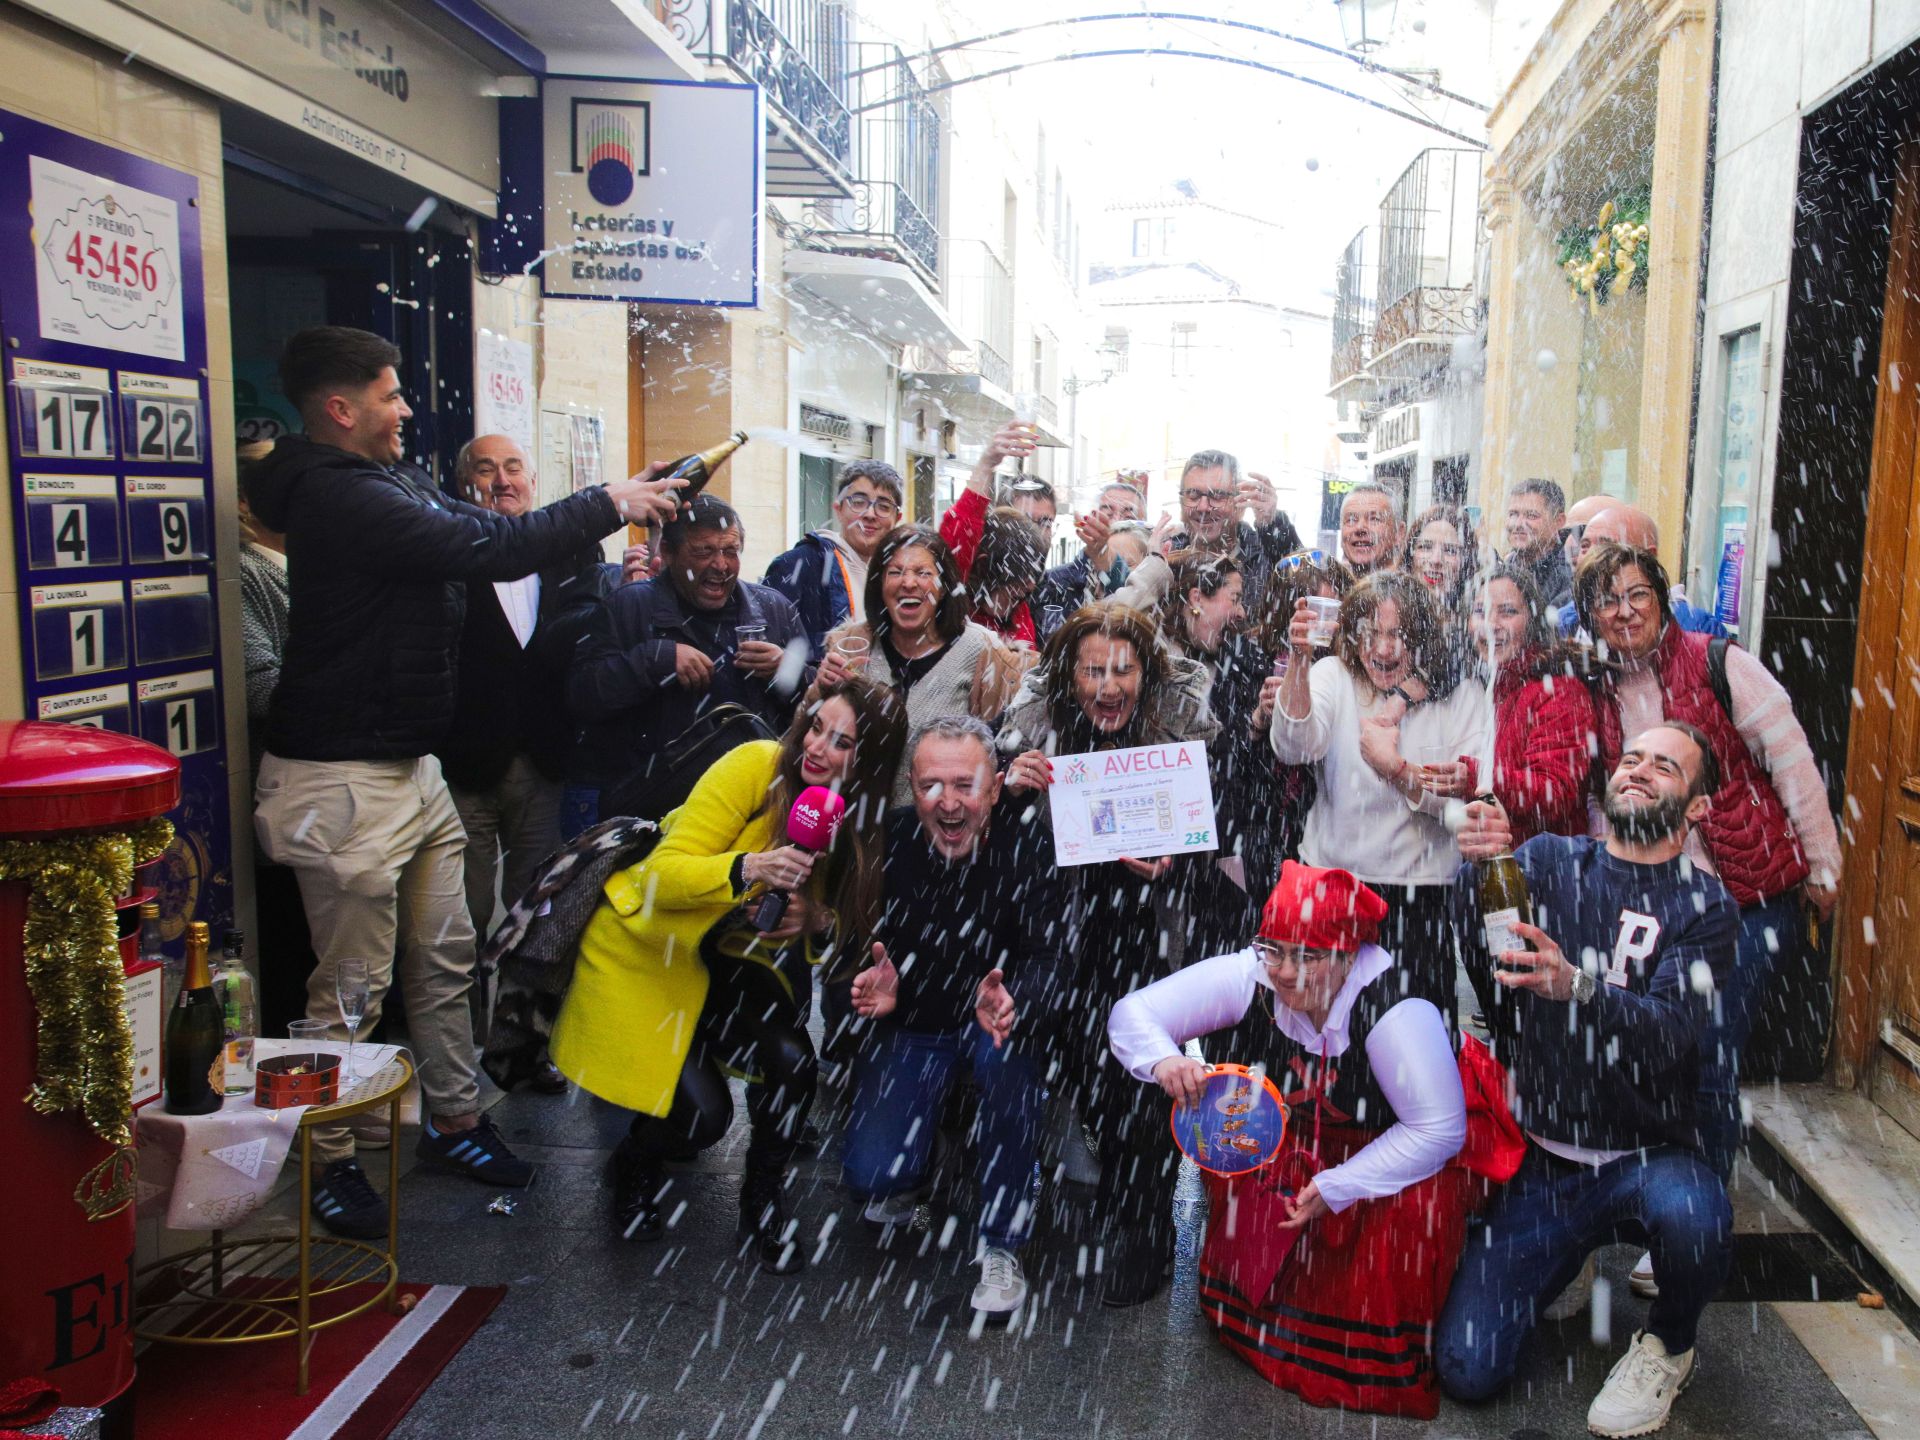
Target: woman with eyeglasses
916,639
1543,721
1769,835
1391,752
825,575
1326,1270
1107,681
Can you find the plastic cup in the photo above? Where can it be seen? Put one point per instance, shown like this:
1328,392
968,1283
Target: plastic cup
1326,619
749,634
308,1032
852,651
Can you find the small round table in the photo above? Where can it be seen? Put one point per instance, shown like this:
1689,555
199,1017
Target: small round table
237,1292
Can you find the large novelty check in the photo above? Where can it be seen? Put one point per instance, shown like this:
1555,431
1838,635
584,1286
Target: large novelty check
1147,801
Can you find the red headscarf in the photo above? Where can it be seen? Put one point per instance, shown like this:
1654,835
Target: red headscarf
1321,909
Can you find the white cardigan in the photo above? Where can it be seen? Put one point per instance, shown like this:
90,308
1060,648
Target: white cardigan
1407,1050
1358,821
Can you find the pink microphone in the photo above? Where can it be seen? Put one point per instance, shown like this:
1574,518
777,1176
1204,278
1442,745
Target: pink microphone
811,824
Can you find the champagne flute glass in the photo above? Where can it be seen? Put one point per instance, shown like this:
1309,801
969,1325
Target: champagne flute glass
354,991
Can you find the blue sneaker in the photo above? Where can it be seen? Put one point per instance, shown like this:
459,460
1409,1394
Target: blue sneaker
347,1205
479,1154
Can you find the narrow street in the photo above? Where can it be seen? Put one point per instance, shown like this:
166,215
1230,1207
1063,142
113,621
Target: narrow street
683,1341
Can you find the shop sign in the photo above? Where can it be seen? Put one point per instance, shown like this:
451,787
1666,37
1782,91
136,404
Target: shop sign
652,191
379,83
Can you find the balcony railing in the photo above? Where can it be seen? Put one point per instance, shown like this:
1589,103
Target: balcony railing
1432,315
1352,311
979,297
1429,224
797,51
895,210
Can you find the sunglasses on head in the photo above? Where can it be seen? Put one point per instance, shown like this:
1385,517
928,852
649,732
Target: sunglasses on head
1303,557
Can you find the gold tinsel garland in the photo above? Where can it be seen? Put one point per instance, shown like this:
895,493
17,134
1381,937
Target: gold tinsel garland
84,1059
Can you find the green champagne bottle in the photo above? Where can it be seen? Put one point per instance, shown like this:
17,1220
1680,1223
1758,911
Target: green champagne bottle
196,1035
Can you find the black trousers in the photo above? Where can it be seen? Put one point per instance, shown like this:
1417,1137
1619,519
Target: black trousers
1419,933
751,1023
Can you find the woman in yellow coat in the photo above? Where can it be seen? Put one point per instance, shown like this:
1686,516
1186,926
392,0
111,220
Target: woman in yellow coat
674,986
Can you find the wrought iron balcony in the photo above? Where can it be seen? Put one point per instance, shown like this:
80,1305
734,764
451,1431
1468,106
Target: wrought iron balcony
894,213
979,296
1429,226
798,52
1352,315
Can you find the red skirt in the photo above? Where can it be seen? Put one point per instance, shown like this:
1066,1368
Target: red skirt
1345,1317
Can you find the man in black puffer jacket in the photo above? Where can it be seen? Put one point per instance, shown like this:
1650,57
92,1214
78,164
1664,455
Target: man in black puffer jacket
349,795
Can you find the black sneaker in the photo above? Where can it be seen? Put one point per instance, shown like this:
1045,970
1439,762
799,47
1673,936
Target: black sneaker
479,1154
347,1205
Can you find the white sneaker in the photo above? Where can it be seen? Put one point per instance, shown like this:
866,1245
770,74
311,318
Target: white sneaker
1640,1389
1641,1281
892,1209
1003,1284
1572,1300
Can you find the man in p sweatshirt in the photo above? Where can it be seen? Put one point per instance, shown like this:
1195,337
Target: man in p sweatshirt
1600,1022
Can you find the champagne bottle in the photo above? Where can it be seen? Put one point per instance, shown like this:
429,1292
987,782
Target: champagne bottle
195,1035
1504,901
697,470
239,1015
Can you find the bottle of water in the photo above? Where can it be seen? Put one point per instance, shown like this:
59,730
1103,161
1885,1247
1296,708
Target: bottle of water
240,1015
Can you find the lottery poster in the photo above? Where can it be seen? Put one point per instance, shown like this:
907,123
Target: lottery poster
105,388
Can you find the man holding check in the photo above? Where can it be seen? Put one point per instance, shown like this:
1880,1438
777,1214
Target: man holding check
1601,1023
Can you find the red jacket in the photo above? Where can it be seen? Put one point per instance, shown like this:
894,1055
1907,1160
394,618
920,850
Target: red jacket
962,527
1543,733
1747,832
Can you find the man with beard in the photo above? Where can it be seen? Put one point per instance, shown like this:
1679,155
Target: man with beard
1604,1054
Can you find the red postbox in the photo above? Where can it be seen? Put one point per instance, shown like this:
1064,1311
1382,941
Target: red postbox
66,1260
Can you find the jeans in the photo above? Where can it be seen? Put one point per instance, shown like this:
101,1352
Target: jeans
1538,1232
900,1082
1769,929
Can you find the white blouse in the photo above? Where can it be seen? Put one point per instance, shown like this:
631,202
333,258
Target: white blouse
1407,1048
1358,821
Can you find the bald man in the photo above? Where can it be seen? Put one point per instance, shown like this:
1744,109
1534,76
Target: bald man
1578,514
1618,523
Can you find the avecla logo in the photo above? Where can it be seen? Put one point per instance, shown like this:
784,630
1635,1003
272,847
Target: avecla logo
607,139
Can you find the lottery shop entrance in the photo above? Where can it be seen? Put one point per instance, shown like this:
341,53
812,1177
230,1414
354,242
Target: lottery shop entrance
319,238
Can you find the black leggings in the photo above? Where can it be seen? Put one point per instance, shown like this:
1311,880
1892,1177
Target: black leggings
752,1024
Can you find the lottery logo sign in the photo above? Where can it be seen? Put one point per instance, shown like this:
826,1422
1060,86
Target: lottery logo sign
107,262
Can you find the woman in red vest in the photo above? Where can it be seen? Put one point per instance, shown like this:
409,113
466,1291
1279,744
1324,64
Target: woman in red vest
1769,836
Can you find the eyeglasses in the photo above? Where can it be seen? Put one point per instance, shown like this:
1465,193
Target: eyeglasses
1274,953
1639,597
880,505
1206,497
1303,557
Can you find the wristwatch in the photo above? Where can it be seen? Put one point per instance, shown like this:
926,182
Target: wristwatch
1583,985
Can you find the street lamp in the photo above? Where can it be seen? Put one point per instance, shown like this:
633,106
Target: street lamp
1365,24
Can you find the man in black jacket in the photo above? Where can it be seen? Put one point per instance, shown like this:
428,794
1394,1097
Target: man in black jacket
1213,492
349,794
662,653
510,745
966,971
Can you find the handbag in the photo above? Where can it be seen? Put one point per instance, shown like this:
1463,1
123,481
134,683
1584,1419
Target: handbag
665,779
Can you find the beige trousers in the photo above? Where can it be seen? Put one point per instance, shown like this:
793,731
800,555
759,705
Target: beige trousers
379,851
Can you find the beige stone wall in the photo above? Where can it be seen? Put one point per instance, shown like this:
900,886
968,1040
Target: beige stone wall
705,372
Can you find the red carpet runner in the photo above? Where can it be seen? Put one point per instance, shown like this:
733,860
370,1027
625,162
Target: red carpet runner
366,1375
